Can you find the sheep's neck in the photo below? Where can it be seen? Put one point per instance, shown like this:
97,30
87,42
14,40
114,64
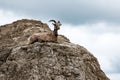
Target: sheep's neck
55,32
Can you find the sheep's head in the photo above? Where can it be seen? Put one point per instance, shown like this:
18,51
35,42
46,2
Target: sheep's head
56,24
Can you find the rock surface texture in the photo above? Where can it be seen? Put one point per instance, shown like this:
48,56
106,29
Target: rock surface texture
43,61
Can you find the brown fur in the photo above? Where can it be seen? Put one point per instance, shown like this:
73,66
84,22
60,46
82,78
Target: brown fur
46,36
41,37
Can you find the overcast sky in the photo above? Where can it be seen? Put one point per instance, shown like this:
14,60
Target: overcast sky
94,24
74,11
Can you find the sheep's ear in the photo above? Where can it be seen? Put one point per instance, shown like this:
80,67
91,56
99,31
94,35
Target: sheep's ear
59,23
53,23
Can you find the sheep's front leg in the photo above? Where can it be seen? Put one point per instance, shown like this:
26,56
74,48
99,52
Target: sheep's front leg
32,39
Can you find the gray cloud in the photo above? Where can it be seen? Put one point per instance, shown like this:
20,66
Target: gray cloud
74,11
115,63
101,39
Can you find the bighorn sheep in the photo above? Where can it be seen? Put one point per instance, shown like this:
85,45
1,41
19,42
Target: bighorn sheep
46,36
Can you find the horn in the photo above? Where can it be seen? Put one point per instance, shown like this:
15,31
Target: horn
52,21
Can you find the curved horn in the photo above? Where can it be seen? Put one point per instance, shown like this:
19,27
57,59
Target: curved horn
52,21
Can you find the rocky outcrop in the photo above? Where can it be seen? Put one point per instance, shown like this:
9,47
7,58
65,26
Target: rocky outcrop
43,61
18,32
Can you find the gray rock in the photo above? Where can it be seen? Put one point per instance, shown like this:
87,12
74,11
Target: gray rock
50,61
43,61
